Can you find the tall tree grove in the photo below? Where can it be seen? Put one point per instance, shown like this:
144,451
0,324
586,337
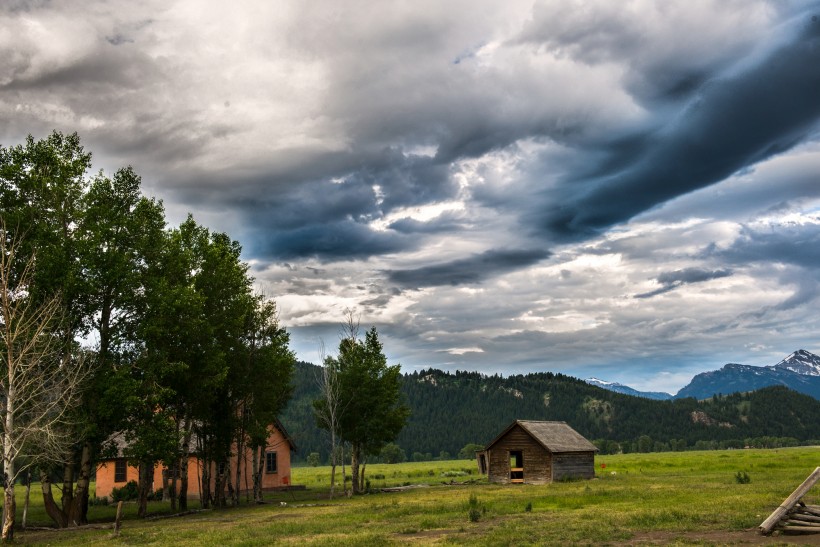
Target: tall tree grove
183,350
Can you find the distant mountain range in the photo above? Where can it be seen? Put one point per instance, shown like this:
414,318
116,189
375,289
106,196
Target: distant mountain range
626,390
450,410
799,371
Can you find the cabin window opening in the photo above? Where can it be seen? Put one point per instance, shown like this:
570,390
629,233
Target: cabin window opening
516,466
270,462
120,470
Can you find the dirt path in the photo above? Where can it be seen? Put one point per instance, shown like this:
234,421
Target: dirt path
744,537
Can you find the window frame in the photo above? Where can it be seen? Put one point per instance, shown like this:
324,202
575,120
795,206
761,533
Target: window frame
120,470
270,456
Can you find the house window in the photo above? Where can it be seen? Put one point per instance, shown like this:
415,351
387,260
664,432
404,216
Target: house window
120,470
270,462
516,466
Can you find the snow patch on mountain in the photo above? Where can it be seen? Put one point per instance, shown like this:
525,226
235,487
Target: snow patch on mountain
801,362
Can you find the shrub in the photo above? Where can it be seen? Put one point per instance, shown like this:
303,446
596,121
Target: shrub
474,513
98,501
126,493
528,508
741,477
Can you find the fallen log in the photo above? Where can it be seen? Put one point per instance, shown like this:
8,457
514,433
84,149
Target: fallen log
800,529
798,522
806,518
768,525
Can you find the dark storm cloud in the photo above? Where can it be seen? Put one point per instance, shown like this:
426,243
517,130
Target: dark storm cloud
332,241
474,269
735,121
443,223
298,211
670,281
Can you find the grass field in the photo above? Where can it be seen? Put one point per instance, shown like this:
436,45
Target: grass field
683,498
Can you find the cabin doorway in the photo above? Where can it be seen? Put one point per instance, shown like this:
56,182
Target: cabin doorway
516,466
482,462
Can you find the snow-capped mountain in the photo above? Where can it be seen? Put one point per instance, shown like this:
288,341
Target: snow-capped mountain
799,371
626,390
801,362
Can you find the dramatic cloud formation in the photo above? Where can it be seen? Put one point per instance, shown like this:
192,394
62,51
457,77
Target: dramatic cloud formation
672,280
624,189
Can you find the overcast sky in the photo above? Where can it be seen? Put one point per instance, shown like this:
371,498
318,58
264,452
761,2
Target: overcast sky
627,190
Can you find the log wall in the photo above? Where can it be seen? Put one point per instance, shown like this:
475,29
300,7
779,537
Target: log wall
537,461
573,465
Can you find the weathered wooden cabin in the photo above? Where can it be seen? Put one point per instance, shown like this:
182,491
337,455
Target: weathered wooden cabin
535,452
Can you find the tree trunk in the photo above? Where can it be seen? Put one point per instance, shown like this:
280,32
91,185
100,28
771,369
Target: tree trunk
28,496
205,480
51,507
174,471
240,457
361,475
229,485
68,484
166,492
146,484
219,483
183,467
77,511
355,452
344,471
257,464
8,466
333,462
9,509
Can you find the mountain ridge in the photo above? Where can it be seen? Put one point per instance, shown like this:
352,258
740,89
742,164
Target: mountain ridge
451,410
799,371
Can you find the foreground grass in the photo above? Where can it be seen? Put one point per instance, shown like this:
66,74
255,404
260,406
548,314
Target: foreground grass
670,493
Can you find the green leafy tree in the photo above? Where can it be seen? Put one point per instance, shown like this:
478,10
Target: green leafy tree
373,412
392,453
261,383
469,450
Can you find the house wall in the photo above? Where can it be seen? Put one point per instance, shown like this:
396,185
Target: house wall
573,465
276,443
537,460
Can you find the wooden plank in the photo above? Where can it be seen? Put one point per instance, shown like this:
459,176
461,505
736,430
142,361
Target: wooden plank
768,524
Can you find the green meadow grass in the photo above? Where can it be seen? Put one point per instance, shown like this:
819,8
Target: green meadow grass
678,495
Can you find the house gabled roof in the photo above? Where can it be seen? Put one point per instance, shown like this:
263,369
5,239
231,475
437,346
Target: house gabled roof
553,436
278,425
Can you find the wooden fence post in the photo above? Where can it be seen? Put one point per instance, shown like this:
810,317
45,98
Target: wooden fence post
118,519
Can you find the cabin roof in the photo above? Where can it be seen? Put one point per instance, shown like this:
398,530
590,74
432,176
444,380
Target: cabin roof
284,433
553,436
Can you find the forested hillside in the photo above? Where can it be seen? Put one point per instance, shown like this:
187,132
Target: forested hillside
450,410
